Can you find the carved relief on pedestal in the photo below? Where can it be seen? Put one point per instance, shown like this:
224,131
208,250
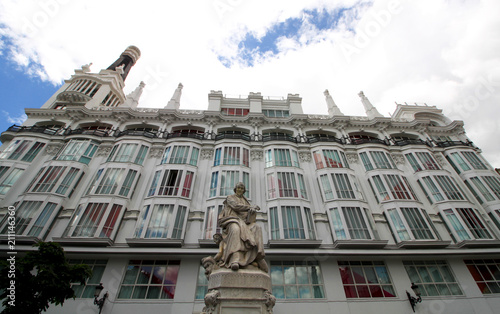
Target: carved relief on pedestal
211,301
257,154
304,156
270,301
52,149
398,158
352,158
207,153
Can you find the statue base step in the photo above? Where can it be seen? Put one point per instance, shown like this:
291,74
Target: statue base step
246,291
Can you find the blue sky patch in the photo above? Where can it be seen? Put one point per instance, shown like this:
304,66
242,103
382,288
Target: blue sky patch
252,48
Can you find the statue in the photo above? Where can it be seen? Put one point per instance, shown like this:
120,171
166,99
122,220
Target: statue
240,243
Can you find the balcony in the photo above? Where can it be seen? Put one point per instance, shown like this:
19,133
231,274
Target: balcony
198,136
101,133
148,134
237,136
453,143
315,139
34,129
359,141
279,137
411,142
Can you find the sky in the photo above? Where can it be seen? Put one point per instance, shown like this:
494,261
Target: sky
437,52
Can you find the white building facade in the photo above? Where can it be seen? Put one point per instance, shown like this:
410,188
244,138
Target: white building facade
353,209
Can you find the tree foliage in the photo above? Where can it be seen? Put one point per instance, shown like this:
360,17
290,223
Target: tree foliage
41,277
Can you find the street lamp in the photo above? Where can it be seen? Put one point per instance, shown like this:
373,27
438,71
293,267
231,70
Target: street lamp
97,293
412,299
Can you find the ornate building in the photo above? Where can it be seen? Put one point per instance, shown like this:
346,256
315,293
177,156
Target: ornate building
353,209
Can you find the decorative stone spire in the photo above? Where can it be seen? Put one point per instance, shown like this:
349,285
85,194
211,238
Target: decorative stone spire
371,111
175,101
333,110
126,60
132,99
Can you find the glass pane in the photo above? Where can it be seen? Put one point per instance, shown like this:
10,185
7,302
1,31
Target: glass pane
279,292
382,274
96,275
376,291
139,292
289,275
276,275
363,291
125,292
302,277
291,292
153,293
350,292
305,292
144,275
171,275
424,274
131,274
370,275
168,292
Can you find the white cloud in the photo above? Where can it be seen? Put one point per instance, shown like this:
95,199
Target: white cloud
15,120
444,53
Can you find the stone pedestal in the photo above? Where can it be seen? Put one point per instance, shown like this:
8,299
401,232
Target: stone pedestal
246,291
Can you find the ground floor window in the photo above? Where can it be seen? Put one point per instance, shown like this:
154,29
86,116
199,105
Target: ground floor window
148,279
297,280
486,273
366,279
432,277
97,267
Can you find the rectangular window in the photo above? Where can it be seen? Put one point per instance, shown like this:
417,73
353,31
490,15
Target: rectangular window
398,225
87,290
381,160
302,186
78,150
276,113
201,284
211,226
382,192
327,188
343,187
9,180
19,150
188,181
42,220
90,219
193,161
228,182
297,280
417,223
235,111
66,182
287,185
366,161
365,279
154,183
482,189
217,156
34,150
163,221
413,162
350,223
150,279
475,162
436,194
127,183
494,184
397,187
449,188
427,160
110,181
125,153
334,159
456,225
474,223
3,170
49,178
293,226
24,214
213,183
456,159
434,278
170,183
485,273
141,155
231,156
110,222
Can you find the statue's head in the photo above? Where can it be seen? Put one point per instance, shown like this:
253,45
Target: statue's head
217,238
240,184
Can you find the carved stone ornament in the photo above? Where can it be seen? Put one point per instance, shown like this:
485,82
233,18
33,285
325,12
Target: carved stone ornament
398,158
156,152
352,158
440,160
52,149
211,301
257,154
270,301
207,153
305,157
104,150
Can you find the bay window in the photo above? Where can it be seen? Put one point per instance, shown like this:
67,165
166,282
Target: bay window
410,223
165,221
281,157
113,178
284,184
33,218
128,152
425,161
170,183
330,158
381,160
78,150
232,155
350,223
466,224
95,220
291,222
